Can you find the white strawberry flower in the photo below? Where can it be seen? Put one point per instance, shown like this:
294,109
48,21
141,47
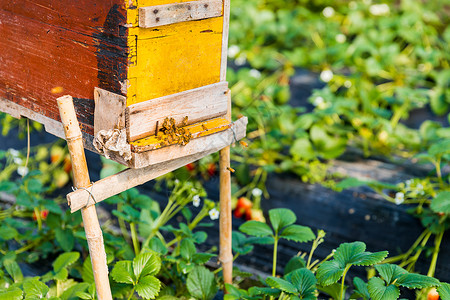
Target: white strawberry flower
399,198
196,201
214,214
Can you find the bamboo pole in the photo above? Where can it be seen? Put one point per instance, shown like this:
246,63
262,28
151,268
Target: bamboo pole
226,255
81,180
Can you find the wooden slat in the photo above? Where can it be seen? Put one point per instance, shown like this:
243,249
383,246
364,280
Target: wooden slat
226,29
216,141
129,178
159,15
197,130
198,105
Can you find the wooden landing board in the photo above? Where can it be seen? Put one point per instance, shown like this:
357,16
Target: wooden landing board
129,178
198,105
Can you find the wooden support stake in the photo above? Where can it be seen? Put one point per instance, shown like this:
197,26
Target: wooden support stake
81,180
226,255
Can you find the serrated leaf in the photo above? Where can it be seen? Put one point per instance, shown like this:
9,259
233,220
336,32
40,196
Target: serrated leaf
34,289
72,291
83,295
11,294
13,269
347,252
187,249
298,233
441,203
157,246
417,281
146,264
239,243
390,272
199,237
8,233
202,258
379,291
86,273
65,260
369,258
65,238
444,291
256,228
201,283
294,263
281,284
361,288
123,272
281,217
62,275
304,281
256,291
148,287
329,272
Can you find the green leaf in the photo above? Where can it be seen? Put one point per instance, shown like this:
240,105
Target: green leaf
61,275
239,243
34,289
148,287
302,149
293,264
123,272
201,283
187,249
11,294
146,264
304,281
441,203
334,290
8,233
87,273
347,253
83,295
329,272
281,284
157,246
417,281
361,288
256,228
256,291
65,260
369,258
351,182
13,269
202,258
379,291
65,238
297,233
34,185
444,291
73,290
281,217
390,272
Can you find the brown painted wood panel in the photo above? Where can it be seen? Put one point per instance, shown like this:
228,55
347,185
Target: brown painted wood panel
42,48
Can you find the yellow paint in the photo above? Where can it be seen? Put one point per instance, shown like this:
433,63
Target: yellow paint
197,130
173,58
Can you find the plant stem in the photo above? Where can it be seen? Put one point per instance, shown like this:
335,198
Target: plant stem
132,292
38,217
274,265
134,238
341,297
437,245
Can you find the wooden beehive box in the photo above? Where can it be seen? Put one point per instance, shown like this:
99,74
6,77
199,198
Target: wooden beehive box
131,66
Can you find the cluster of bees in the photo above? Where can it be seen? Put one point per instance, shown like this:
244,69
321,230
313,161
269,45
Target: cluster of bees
170,133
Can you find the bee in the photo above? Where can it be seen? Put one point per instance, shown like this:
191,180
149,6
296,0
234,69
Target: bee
231,169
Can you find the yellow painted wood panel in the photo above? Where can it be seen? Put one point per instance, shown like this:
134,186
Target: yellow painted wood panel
174,58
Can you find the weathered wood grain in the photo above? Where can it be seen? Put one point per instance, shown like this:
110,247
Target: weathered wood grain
198,105
45,52
109,110
216,141
159,15
129,178
226,29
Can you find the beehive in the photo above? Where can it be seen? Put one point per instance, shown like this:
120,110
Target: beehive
130,65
